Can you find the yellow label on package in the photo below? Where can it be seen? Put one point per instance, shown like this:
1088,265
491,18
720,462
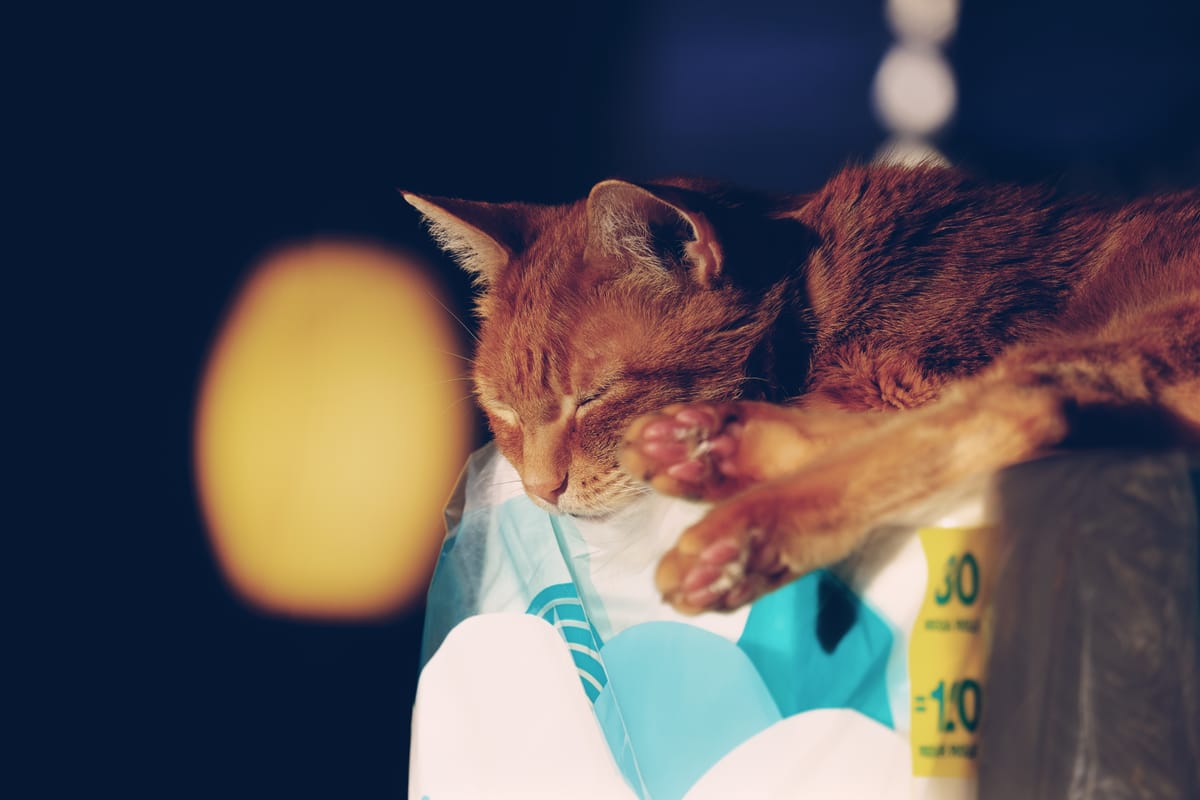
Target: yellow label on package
948,651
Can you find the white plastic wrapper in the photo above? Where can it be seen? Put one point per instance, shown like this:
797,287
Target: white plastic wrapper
551,668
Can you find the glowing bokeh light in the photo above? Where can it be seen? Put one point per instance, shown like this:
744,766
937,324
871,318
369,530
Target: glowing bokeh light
329,430
915,93
914,90
928,21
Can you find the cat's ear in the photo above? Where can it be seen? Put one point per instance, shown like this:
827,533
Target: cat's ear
481,237
651,224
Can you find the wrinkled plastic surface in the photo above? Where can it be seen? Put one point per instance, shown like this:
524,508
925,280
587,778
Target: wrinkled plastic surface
1093,674
1090,690
765,691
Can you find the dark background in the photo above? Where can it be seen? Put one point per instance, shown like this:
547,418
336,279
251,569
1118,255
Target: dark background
170,149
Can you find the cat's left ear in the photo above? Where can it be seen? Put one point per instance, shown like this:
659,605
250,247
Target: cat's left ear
645,223
482,237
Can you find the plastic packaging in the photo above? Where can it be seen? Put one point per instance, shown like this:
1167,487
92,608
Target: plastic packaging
551,668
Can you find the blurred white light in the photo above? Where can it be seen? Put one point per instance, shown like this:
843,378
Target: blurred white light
914,90
910,153
928,21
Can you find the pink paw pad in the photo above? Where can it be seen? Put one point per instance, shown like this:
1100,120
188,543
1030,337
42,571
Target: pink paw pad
685,445
659,430
691,471
665,450
697,417
719,571
720,552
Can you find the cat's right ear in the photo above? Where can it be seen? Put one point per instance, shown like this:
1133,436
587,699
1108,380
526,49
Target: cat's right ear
637,222
481,237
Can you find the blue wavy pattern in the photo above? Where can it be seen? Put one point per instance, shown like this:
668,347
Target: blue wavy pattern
561,607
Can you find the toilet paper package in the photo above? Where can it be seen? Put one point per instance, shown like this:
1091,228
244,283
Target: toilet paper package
551,668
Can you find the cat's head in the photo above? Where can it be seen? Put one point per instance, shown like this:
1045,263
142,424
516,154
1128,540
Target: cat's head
591,314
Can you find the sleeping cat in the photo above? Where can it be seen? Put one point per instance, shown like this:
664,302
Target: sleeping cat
750,349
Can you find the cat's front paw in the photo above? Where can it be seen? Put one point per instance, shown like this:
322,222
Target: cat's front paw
720,573
754,543
712,451
690,450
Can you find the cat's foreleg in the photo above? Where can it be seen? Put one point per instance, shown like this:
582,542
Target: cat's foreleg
1135,383
778,530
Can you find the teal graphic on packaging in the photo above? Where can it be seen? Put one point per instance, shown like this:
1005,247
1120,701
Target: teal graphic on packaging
817,645
808,692
672,699
561,607
679,698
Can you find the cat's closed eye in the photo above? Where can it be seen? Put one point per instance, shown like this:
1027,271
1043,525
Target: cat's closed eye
507,414
590,397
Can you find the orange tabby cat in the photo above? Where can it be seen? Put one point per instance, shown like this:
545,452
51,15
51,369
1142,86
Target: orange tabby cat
748,349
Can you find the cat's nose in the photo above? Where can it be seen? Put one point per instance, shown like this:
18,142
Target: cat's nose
548,489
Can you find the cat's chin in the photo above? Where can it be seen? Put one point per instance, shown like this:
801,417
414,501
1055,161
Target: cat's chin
600,513
602,508
579,510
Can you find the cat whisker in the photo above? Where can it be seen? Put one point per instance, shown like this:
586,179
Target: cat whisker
470,361
458,401
462,324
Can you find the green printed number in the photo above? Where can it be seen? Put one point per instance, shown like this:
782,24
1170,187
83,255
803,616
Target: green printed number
965,697
961,579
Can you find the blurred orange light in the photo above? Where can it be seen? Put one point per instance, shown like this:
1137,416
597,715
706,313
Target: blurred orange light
329,432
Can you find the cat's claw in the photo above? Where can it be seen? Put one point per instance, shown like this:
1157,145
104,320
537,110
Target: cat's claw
725,574
687,450
766,536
